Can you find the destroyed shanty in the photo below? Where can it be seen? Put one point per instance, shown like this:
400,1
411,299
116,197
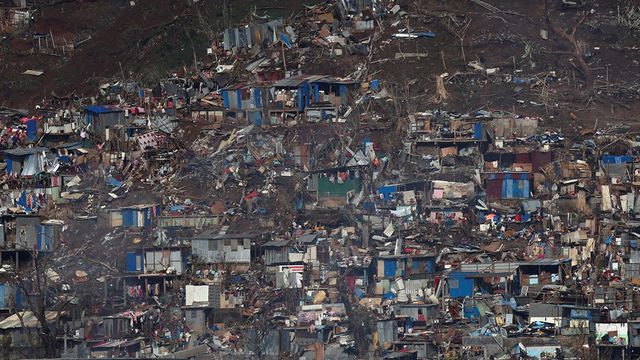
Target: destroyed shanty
344,179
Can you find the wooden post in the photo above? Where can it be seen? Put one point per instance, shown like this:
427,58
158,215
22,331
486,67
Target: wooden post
122,73
65,46
284,60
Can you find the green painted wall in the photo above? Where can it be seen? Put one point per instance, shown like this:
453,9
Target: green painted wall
328,189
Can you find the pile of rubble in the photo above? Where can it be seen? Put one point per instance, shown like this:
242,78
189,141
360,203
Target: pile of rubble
265,207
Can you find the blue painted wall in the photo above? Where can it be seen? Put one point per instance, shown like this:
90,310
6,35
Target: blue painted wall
133,258
390,267
464,285
45,237
515,186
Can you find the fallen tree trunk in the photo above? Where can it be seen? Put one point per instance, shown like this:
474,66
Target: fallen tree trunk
441,93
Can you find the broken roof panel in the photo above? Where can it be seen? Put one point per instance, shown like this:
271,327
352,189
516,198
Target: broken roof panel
293,81
307,238
216,235
276,243
546,262
27,319
332,80
25,151
102,109
495,267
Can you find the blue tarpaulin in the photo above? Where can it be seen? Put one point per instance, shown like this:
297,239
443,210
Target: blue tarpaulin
387,191
460,285
176,208
580,314
134,261
477,131
114,182
609,240
611,159
148,215
426,34
255,117
24,202
64,159
471,311
225,99
515,186
257,98
390,267
285,39
32,129
129,218
369,206
389,296
98,109
344,94
299,203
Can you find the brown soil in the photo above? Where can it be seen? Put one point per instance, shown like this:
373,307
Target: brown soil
149,40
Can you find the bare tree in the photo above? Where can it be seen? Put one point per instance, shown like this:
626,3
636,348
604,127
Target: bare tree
578,51
42,289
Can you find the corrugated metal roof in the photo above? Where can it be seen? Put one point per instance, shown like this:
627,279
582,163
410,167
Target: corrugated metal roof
28,320
401,354
412,286
301,79
215,235
68,145
406,256
116,344
387,331
496,267
278,255
316,78
331,80
547,262
293,81
276,243
239,86
508,267
307,238
613,159
166,124
137,207
25,151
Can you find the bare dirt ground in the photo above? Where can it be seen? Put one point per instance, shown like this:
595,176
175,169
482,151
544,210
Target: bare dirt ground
538,72
147,41
511,39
